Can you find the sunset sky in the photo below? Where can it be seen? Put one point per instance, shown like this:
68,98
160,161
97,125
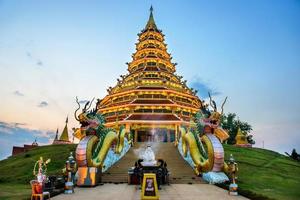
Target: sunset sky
52,51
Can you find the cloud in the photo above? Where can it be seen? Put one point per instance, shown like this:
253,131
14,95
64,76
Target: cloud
203,88
43,104
14,134
36,60
20,124
8,128
18,93
40,63
5,130
28,54
83,101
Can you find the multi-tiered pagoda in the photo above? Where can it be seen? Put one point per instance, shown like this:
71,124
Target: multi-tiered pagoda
151,100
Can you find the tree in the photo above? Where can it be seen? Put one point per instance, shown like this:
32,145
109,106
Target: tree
231,124
294,155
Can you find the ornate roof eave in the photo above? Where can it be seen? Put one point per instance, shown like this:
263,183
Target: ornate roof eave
193,108
148,122
141,90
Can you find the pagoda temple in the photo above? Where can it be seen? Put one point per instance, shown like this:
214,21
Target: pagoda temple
64,137
151,100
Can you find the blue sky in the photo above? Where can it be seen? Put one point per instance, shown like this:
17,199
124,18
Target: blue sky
52,51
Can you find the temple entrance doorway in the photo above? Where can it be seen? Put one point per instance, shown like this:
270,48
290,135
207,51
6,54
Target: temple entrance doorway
156,135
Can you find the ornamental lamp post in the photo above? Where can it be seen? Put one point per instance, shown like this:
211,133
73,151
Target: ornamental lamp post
233,169
70,170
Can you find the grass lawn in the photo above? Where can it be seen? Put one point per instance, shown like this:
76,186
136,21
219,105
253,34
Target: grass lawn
18,169
263,174
266,173
14,191
16,172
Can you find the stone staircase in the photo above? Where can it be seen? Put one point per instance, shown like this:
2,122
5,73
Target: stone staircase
180,171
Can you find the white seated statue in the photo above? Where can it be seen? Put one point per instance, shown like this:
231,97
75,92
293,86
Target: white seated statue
148,157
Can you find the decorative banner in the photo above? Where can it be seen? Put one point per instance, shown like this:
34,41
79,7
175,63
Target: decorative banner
149,187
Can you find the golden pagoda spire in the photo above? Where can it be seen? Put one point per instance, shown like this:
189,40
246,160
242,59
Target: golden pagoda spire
56,135
65,135
151,23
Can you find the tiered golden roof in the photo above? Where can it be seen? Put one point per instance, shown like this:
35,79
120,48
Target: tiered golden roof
151,95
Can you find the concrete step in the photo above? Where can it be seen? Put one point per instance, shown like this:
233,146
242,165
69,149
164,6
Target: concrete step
181,172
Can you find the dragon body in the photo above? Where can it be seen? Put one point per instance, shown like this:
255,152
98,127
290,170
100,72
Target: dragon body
204,142
95,138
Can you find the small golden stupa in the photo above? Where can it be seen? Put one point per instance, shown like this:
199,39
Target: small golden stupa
64,137
241,139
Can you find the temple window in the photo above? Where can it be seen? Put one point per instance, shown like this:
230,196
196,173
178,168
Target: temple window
177,112
162,111
151,63
144,96
121,112
109,114
141,65
151,37
186,113
143,111
151,45
152,96
182,100
151,75
151,55
120,99
160,96
134,68
162,66
151,69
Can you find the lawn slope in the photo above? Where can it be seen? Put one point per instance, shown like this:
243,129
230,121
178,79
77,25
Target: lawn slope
263,174
16,171
266,173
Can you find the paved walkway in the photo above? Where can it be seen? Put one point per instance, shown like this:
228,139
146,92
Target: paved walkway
131,192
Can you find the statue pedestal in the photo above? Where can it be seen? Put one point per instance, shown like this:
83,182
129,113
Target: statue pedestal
69,187
233,187
88,176
149,163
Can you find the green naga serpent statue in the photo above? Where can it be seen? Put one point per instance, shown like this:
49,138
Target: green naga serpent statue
95,138
204,140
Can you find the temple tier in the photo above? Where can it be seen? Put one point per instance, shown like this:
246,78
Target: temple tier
151,101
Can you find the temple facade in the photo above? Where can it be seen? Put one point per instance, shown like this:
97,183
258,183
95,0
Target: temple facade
26,147
151,100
